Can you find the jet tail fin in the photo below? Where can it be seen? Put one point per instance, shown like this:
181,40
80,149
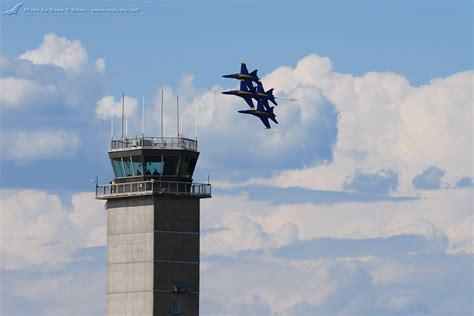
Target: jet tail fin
243,68
254,73
272,98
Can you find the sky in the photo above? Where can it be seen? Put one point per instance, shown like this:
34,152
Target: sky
359,202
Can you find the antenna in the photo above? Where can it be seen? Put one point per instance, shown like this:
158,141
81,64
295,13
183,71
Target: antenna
143,116
112,126
177,115
126,126
196,121
123,109
162,121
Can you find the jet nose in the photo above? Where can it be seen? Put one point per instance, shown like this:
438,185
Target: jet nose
227,76
226,92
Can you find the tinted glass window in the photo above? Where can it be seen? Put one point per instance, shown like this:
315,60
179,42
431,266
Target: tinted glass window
191,166
187,166
183,170
117,164
137,165
127,166
154,166
171,165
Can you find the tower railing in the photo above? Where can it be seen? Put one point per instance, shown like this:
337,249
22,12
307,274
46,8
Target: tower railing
153,142
150,187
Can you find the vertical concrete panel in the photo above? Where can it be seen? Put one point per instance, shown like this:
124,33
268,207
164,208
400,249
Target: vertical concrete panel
130,304
176,253
130,277
130,247
130,217
130,256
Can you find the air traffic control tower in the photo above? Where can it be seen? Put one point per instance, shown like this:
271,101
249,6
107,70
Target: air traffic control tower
153,227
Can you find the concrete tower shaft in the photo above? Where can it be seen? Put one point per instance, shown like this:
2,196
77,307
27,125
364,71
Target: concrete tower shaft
153,227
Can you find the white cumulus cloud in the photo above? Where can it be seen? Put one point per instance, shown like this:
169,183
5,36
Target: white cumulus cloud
14,91
56,74
26,146
38,230
108,107
60,51
383,123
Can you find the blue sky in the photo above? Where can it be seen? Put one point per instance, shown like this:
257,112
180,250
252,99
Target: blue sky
373,159
147,51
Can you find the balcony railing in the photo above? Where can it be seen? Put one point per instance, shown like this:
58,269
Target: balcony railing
150,187
153,142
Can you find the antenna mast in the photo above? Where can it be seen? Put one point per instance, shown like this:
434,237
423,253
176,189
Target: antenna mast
123,109
126,126
177,115
162,122
143,116
196,121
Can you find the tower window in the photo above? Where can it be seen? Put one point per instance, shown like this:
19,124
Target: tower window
171,165
127,166
184,167
154,166
137,165
191,166
118,170
176,307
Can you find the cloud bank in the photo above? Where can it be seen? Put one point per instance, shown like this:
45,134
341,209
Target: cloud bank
47,95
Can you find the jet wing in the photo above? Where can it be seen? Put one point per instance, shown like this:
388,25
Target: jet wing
249,101
243,86
246,86
265,121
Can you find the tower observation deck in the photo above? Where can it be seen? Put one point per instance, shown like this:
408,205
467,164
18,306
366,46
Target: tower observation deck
153,213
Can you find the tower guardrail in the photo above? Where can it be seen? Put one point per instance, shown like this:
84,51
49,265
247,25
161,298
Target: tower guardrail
153,142
151,187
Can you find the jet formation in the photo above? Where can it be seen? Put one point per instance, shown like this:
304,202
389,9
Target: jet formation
249,92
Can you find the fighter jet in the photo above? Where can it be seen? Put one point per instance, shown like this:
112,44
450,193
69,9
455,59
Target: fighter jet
244,92
261,95
244,75
262,114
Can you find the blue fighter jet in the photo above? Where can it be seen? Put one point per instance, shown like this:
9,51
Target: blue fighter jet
248,92
262,113
262,95
244,92
244,75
